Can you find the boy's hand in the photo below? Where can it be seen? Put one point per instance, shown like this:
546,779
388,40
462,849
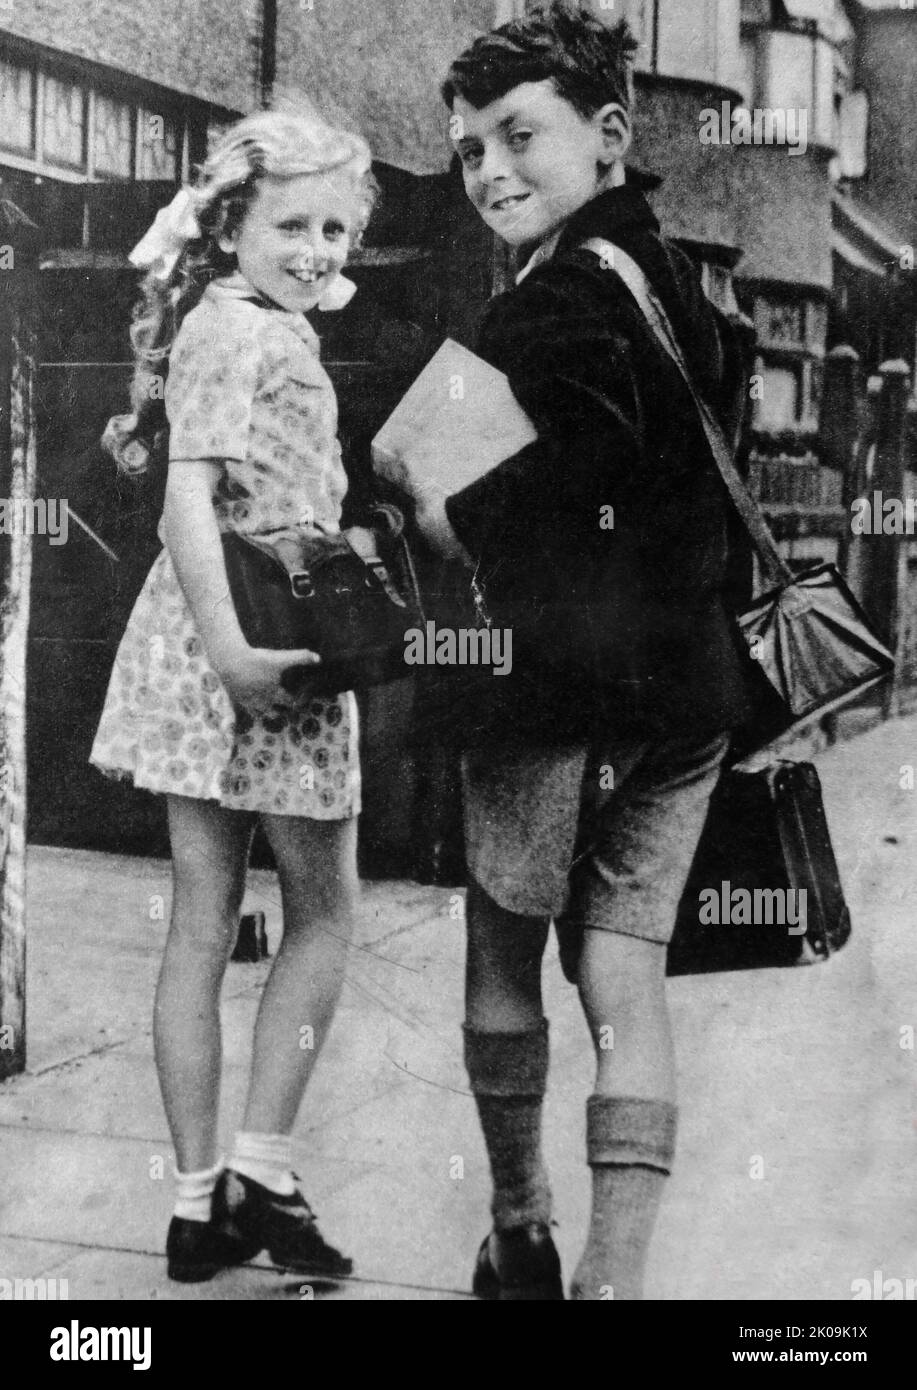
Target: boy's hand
252,676
430,506
435,527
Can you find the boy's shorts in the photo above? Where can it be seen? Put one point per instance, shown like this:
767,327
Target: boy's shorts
604,836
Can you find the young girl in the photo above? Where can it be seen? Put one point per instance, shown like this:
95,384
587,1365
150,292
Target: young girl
192,710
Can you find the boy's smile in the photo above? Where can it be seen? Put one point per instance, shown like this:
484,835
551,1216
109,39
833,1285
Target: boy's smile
530,160
295,237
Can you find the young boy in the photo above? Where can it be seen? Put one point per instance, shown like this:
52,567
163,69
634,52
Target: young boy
605,545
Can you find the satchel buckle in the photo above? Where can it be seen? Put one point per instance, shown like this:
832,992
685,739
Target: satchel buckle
301,584
794,601
383,579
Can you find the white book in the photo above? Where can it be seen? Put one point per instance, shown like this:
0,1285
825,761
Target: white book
457,422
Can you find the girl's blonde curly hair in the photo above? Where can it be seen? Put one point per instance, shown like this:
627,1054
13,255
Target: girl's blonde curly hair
282,143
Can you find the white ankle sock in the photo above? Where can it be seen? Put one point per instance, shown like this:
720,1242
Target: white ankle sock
266,1158
195,1190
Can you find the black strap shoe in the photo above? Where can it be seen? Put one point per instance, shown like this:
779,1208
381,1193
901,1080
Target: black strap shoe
518,1266
251,942
197,1250
285,1226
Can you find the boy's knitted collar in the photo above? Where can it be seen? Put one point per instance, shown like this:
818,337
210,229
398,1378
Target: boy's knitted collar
618,214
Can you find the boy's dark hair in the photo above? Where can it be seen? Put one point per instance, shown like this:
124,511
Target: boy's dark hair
590,63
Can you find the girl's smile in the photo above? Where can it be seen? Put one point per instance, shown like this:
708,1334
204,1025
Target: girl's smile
296,236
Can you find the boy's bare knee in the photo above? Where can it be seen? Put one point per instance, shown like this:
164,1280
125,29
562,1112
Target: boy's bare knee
487,918
623,970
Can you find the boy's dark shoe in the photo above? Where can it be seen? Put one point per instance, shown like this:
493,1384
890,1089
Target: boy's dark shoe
523,1267
197,1250
251,943
285,1226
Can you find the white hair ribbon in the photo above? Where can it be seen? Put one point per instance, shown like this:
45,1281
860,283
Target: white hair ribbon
162,245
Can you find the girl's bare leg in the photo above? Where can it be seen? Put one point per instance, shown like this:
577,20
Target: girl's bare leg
209,858
316,865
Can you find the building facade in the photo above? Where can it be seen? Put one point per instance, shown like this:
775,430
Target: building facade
801,222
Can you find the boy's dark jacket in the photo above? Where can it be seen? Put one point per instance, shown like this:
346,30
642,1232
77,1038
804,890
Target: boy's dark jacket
625,630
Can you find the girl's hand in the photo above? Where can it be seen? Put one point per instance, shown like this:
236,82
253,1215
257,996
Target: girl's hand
252,676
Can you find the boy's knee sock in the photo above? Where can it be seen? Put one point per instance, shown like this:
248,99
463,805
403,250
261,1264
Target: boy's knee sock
508,1074
630,1145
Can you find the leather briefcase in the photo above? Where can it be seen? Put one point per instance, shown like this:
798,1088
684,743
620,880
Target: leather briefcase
764,888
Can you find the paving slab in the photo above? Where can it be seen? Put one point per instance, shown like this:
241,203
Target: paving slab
107,1191
96,1276
30,1259
798,1093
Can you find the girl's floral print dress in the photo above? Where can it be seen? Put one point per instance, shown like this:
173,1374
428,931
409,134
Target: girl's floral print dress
245,388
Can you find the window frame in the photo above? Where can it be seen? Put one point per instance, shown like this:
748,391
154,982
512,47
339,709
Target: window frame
106,176
722,64
30,68
43,78
189,117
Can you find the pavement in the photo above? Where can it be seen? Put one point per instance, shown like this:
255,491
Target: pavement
797,1162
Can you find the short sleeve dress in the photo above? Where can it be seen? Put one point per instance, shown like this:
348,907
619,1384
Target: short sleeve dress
245,388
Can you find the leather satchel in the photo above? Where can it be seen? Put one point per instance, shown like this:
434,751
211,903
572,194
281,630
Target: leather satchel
350,596
811,647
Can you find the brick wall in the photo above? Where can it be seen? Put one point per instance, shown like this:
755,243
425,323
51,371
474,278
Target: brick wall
206,48
695,199
376,67
783,214
887,68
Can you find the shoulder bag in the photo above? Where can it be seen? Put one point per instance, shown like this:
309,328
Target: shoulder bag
811,648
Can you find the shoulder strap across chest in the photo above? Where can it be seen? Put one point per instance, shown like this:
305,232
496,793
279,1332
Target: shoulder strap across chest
613,259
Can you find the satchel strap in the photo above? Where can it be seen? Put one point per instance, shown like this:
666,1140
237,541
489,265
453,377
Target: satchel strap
626,268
